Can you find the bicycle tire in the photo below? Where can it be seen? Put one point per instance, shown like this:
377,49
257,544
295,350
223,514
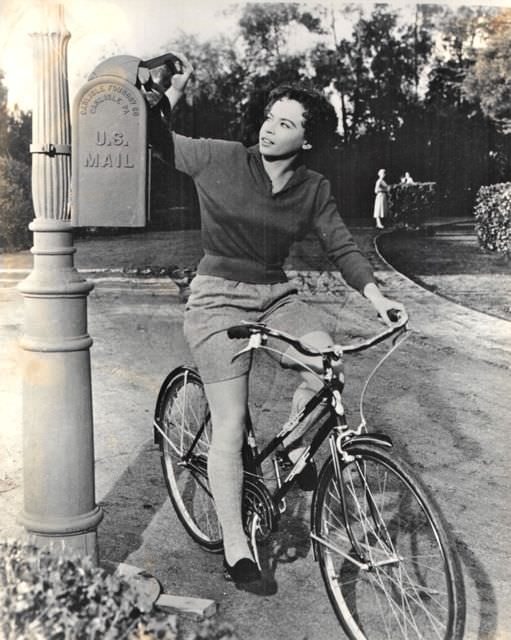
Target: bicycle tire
183,412
413,586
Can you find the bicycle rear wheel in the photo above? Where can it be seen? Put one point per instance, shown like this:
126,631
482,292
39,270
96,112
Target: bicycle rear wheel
387,561
185,421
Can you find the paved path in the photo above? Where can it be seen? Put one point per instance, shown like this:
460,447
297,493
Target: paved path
458,439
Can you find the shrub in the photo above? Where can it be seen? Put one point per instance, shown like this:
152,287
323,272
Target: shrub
16,210
412,203
493,217
50,596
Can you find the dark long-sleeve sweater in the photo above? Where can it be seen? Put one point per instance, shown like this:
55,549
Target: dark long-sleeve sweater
247,230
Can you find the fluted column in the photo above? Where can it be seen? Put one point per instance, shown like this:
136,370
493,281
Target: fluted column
58,450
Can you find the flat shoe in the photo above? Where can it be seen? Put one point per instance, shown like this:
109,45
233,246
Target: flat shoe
244,571
308,478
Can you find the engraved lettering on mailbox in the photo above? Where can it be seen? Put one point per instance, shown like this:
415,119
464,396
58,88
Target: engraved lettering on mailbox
116,139
109,160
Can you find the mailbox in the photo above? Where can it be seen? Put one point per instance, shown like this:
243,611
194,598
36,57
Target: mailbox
110,164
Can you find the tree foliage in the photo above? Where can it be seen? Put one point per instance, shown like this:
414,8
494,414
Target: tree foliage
4,115
265,29
375,71
489,80
16,210
458,32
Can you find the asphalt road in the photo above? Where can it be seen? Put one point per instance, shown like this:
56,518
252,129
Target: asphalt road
444,398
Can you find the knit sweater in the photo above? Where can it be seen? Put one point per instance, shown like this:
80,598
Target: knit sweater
247,230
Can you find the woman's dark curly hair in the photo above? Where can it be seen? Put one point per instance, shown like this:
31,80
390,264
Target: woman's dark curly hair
320,120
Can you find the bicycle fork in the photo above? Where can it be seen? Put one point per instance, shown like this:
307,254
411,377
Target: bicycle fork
341,457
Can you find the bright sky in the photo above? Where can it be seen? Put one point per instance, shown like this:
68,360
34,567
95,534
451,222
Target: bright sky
100,28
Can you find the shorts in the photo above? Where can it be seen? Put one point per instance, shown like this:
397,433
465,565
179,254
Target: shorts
216,304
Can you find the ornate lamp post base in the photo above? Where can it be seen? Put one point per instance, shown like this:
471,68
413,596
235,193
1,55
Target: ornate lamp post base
58,443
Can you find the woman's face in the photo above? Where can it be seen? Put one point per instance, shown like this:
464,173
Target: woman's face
282,132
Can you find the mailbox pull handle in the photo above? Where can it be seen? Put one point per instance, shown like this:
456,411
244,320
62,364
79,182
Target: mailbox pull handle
167,59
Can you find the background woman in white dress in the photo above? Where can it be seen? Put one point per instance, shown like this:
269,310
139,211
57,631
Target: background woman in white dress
381,189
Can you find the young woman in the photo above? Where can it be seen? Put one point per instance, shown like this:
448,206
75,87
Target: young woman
381,189
255,202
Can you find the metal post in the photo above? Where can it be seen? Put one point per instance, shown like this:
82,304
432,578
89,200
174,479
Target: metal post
58,449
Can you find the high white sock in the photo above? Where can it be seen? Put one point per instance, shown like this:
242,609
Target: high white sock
225,471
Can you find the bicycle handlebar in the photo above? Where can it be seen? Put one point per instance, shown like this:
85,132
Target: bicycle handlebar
248,329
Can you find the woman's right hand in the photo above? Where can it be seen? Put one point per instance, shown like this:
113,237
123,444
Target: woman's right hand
179,80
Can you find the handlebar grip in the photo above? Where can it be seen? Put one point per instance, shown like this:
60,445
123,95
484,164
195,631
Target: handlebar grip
394,315
238,332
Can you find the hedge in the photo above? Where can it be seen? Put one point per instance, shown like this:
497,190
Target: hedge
412,203
16,209
492,212
45,595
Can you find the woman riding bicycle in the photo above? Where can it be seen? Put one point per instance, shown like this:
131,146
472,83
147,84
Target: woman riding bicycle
255,202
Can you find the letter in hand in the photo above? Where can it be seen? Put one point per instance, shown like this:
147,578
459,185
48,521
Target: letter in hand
169,72
179,81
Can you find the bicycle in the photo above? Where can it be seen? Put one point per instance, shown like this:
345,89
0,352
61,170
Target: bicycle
386,557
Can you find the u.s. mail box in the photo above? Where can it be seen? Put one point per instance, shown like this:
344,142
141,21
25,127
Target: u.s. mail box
110,181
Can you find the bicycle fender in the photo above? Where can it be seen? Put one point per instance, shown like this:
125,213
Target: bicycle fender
161,394
377,439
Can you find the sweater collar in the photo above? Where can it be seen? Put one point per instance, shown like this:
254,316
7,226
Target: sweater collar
299,175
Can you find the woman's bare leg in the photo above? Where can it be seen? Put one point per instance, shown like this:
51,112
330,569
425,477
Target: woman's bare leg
228,403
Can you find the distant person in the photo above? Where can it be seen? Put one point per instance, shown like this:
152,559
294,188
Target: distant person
381,190
407,179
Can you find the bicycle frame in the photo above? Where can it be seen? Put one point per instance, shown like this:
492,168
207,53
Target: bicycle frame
332,419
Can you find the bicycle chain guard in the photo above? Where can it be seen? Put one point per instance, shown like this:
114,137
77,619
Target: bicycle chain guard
257,502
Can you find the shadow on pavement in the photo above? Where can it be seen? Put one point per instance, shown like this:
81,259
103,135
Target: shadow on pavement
475,568
121,531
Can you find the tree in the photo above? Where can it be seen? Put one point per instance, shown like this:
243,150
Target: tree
375,72
488,82
4,116
265,29
19,135
233,76
458,32
214,97
16,210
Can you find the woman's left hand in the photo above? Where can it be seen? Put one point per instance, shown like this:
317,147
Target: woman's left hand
383,305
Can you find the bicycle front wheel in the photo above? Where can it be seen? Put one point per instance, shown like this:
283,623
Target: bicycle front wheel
388,563
185,421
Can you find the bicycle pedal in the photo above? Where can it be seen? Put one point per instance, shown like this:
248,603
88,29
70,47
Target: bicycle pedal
283,460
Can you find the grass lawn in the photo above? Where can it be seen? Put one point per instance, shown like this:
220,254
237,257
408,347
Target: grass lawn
449,261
